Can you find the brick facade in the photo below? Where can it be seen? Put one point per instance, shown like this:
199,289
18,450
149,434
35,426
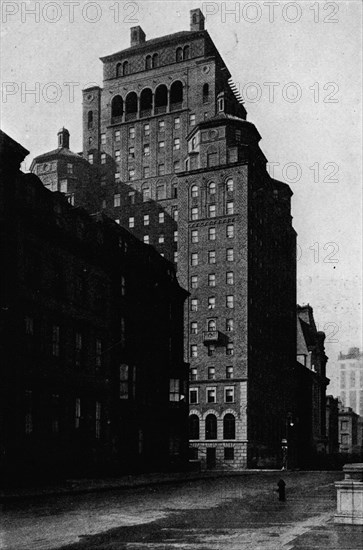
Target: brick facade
168,119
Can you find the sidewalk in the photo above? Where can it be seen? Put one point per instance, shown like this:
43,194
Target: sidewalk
79,486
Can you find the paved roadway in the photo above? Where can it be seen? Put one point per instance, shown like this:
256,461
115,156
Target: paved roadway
235,513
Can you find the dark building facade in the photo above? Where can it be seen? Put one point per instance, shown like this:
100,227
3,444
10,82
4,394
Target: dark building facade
93,378
332,431
178,165
311,355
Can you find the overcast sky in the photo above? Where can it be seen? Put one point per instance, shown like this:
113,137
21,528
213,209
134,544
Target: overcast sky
309,119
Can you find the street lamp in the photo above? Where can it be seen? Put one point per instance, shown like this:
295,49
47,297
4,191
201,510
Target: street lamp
284,441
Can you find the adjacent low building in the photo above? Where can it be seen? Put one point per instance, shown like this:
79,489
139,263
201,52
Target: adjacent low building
350,440
310,383
93,378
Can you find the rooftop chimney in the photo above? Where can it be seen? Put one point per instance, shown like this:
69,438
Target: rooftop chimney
137,36
196,20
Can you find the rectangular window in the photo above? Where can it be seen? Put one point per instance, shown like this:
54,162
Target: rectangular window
194,328
176,123
69,168
131,222
194,281
161,125
161,238
132,174
146,129
28,412
161,169
55,340
229,278
174,390
193,351
146,171
211,350
229,325
211,302
117,199
229,255
211,373
211,395
124,382
146,149
98,360
77,413
228,453
132,152
230,207
212,211
175,257
90,158
103,158
29,326
118,155
192,120
194,304
230,231
175,214
161,145
194,214
146,239
230,349
212,257
103,180
161,217
212,233
117,176
78,348
193,374
63,186
177,166
229,395
132,132
103,139
146,219
194,259
212,159
117,135
175,236
230,301
212,279
98,420
229,372
232,154
193,396
194,235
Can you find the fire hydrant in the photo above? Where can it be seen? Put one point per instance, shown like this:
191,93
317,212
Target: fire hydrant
281,490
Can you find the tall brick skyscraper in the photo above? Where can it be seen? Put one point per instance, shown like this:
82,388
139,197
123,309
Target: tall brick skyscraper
176,162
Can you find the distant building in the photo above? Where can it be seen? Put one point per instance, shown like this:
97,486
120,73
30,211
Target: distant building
348,432
349,369
64,171
93,378
311,355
